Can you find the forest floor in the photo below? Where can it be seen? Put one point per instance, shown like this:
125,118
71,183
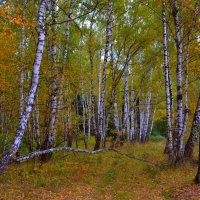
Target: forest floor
103,176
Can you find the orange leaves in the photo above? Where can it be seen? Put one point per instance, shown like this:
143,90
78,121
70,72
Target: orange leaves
13,16
18,21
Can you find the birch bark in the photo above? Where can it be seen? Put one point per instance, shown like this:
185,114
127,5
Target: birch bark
147,110
36,123
99,75
169,145
51,129
179,117
92,98
62,70
7,157
126,121
132,111
103,82
22,75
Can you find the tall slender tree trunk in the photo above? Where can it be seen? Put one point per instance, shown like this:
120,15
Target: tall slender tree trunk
126,120
83,100
141,113
50,132
169,145
147,109
103,82
7,157
151,123
36,123
138,117
62,83
116,117
22,72
132,111
179,117
88,103
186,109
187,58
99,76
113,92
76,125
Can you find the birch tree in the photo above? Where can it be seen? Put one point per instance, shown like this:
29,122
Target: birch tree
50,131
169,144
22,72
103,81
179,48
126,120
7,156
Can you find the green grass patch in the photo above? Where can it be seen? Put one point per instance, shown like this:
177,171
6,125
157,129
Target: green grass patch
103,176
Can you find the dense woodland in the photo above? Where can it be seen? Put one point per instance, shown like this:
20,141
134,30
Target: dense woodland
97,77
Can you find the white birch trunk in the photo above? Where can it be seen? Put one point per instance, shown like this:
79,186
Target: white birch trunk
179,117
150,128
69,16
126,121
103,82
187,58
169,145
141,113
22,75
99,74
89,101
62,70
148,107
36,123
6,158
51,129
116,117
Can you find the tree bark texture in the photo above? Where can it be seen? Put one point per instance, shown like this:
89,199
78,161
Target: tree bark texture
6,158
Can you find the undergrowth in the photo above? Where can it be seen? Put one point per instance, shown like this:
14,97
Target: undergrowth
101,176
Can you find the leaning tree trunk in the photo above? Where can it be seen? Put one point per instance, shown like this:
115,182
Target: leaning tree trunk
194,132
169,145
7,157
